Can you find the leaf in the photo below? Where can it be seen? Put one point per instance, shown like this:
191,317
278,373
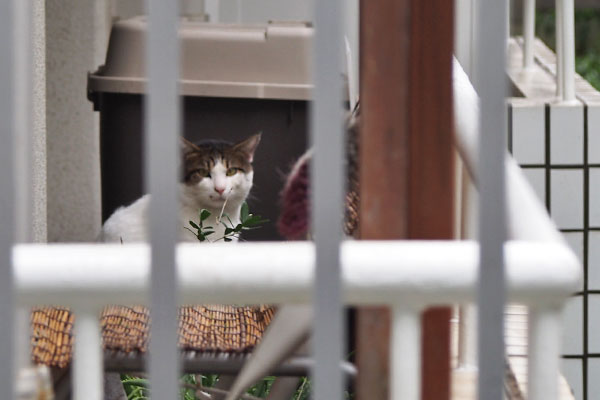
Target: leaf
193,224
227,239
255,220
206,233
244,211
250,228
204,214
228,231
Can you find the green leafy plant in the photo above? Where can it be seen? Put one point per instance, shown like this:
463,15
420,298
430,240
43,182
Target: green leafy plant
136,388
201,231
247,222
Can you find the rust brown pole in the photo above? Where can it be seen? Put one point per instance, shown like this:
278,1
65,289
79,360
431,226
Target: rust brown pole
384,51
431,182
406,167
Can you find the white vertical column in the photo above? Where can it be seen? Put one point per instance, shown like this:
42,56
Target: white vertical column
22,98
528,32
23,158
568,49
491,86
405,372
464,26
560,69
162,121
8,42
467,328
544,352
87,357
39,214
327,197
467,337
507,29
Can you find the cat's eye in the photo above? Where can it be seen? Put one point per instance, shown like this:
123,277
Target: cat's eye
199,174
232,171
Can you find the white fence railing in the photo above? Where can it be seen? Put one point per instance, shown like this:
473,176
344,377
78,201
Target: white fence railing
541,272
565,45
409,276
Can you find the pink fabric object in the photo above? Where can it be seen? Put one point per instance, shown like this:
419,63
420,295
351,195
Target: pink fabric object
294,220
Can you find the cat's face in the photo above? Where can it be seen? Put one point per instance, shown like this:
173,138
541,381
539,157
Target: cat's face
215,171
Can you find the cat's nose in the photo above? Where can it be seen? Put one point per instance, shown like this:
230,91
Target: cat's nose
219,190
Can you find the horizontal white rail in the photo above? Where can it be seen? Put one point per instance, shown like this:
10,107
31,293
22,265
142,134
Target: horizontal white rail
416,273
408,275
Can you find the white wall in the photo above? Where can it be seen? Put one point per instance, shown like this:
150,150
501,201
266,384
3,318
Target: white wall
76,35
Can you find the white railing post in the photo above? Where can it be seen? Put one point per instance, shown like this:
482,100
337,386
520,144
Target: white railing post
528,32
162,121
560,69
405,371
544,352
88,367
491,85
327,198
567,15
467,337
24,158
8,72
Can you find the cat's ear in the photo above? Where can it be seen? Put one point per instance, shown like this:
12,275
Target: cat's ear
248,146
186,146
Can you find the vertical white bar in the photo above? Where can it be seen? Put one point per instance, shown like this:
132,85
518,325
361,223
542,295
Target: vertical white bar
492,222
405,370
568,49
39,215
162,117
22,57
467,328
7,191
507,14
544,352
327,200
23,158
463,35
87,359
528,32
559,49
467,337
474,40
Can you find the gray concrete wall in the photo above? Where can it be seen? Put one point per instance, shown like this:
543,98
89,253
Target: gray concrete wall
76,35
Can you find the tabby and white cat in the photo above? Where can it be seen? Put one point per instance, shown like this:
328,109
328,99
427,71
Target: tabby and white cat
215,174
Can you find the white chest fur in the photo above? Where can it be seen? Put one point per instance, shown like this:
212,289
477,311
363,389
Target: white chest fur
130,224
